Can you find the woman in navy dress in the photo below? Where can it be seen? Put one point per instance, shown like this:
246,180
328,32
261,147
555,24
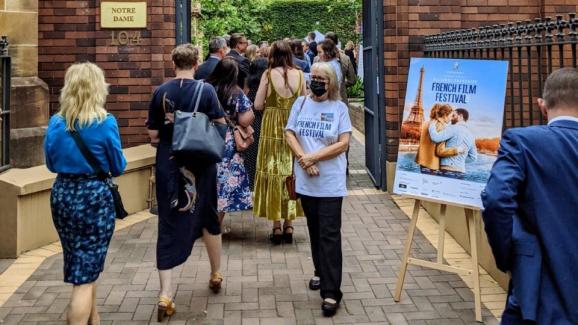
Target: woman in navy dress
82,206
233,189
186,190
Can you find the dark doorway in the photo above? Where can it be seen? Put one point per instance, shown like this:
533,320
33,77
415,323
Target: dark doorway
373,76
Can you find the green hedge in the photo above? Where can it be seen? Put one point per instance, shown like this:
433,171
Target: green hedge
270,20
294,18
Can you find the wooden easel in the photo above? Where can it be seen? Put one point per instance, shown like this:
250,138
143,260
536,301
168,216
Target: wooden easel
473,224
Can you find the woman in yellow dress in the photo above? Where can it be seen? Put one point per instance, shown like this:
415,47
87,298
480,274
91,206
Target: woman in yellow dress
280,86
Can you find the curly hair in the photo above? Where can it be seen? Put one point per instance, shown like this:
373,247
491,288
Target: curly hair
83,96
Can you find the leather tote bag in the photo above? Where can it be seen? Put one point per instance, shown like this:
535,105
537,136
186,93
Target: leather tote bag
195,136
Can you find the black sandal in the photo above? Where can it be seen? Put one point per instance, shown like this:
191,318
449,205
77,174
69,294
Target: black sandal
276,238
288,237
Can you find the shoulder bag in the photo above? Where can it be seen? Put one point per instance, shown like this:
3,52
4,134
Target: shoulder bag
244,136
195,136
290,180
120,212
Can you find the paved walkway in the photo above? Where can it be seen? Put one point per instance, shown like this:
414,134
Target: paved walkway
264,284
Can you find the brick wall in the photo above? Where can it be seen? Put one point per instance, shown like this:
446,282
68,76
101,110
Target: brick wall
407,21
357,115
69,31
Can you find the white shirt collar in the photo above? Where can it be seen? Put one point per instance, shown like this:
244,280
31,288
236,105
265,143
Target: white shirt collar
216,57
563,118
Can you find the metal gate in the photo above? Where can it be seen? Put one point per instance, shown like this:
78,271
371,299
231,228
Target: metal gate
5,75
183,21
375,145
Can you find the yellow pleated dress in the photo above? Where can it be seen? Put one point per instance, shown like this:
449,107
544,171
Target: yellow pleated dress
275,160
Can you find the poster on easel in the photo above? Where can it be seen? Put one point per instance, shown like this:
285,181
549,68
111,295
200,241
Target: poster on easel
451,129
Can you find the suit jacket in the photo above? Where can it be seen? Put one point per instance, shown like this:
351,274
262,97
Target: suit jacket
206,68
302,64
531,219
243,64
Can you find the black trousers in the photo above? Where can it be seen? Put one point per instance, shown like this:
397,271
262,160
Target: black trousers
324,224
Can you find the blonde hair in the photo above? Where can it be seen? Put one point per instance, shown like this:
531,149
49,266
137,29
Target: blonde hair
83,96
328,72
349,45
251,52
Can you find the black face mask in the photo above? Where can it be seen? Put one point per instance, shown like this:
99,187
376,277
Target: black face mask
318,88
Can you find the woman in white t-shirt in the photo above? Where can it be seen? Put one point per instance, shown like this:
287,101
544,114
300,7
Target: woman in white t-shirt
318,132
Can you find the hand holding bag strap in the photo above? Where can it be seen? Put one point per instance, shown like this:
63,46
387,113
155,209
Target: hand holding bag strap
90,158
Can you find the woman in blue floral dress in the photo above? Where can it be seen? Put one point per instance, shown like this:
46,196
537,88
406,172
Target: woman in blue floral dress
234,193
81,203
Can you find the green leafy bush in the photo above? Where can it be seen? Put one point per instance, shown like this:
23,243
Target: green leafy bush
294,18
270,20
357,90
231,16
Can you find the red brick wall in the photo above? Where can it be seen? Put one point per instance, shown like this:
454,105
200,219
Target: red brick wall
407,21
69,31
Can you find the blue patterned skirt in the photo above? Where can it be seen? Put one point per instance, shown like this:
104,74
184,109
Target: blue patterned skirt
234,193
83,214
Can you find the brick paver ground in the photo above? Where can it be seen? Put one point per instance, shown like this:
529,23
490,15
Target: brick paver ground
265,284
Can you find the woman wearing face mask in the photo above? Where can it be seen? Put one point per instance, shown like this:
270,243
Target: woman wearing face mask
318,133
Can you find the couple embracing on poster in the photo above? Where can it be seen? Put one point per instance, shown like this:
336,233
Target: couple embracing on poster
446,143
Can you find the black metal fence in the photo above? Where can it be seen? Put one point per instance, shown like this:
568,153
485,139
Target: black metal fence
533,48
5,70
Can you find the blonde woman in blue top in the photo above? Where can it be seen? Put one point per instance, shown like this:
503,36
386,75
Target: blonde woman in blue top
82,205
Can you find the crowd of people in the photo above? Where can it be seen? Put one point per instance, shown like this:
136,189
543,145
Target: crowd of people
288,97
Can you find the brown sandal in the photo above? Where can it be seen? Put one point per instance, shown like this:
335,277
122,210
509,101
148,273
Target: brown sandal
166,308
215,282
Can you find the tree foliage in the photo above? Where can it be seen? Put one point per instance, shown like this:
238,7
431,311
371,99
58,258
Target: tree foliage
294,18
232,16
276,19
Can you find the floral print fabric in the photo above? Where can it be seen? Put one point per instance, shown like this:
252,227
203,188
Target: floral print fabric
234,193
83,214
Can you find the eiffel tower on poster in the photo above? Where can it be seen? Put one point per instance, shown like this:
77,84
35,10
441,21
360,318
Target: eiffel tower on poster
411,127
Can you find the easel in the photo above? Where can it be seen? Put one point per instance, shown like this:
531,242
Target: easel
473,224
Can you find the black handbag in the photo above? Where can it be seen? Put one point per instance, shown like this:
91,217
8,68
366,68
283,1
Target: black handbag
120,212
195,136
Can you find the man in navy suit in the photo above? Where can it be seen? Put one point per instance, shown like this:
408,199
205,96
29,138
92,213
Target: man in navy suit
217,51
531,210
238,45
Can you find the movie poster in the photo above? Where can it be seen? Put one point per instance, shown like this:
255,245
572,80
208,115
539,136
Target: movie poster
451,129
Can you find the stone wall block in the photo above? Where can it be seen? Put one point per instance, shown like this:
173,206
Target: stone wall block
27,147
18,26
21,5
29,103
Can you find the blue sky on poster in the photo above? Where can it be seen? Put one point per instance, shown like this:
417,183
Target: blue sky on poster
486,106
